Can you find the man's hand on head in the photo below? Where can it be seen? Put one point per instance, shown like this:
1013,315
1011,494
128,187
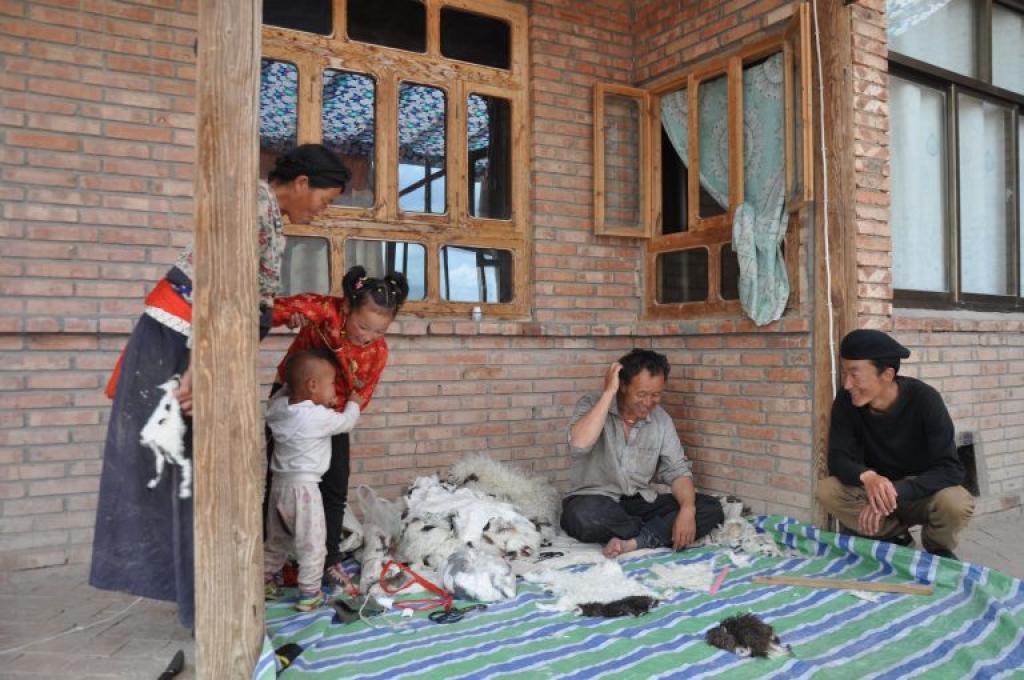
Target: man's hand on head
880,492
684,529
611,378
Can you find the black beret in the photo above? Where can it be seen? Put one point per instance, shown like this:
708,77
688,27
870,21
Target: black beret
867,343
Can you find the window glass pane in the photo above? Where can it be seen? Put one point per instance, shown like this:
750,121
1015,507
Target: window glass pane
490,157
392,23
938,33
306,266
1008,48
475,38
311,16
713,124
279,99
673,186
986,197
422,112
381,257
682,276
729,273
622,161
476,274
348,128
920,243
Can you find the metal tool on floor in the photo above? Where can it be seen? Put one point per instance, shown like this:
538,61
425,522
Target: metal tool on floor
453,615
176,666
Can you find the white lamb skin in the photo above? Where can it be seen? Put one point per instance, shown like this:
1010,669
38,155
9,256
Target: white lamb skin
605,582
478,575
164,435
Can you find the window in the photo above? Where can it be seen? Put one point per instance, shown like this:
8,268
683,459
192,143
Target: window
426,102
956,105
693,158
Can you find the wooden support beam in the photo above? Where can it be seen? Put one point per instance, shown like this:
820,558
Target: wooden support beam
835,70
840,584
227,427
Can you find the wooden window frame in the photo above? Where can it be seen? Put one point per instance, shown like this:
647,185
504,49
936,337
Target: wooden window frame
643,229
793,41
952,85
313,53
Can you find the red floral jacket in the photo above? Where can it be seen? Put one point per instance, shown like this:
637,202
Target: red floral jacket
361,365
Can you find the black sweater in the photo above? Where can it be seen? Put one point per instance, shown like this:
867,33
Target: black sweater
914,438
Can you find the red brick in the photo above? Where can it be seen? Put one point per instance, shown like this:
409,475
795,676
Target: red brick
41,140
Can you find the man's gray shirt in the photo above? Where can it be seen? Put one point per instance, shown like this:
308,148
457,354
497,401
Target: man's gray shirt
616,466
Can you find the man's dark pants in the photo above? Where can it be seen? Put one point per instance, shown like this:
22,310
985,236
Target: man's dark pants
598,519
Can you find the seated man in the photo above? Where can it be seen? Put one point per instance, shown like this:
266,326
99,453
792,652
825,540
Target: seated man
620,441
891,452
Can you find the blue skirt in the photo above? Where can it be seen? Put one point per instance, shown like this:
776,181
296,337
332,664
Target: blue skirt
143,539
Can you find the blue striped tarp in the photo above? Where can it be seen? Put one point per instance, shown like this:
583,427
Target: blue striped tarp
972,627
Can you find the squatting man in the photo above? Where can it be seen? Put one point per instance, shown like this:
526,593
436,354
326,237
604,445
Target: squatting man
891,453
622,442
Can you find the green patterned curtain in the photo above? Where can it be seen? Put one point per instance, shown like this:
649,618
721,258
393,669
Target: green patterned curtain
758,223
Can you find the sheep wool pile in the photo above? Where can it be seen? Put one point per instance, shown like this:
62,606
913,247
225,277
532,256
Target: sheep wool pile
472,574
533,497
440,519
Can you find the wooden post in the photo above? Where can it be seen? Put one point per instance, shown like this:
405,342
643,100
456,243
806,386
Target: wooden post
836,43
227,424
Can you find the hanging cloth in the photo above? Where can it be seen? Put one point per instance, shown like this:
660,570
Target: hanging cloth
758,222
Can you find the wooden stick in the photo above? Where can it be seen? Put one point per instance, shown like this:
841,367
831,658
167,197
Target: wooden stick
840,584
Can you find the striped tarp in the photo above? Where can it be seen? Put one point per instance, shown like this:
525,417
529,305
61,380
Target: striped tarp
972,627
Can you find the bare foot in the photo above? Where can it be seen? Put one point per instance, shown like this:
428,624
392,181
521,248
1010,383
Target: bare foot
618,546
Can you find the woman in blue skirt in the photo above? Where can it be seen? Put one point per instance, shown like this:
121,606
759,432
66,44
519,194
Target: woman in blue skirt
143,539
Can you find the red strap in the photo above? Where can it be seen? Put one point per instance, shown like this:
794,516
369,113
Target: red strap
443,599
163,296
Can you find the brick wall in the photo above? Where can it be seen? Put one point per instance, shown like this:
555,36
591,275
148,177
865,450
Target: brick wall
977,364
869,79
96,166
96,146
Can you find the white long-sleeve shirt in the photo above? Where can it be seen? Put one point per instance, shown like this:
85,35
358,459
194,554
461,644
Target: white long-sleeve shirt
302,435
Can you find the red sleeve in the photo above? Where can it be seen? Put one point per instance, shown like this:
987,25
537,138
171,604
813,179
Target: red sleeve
310,305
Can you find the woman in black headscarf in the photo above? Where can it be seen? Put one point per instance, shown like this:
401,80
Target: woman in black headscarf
143,539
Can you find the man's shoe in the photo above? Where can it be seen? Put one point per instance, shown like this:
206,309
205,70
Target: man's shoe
944,552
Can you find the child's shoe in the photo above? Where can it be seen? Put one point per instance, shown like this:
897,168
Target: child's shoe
308,603
272,591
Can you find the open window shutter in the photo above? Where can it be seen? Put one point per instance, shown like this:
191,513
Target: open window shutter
622,161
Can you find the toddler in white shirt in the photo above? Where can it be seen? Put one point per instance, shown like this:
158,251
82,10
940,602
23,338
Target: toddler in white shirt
302,419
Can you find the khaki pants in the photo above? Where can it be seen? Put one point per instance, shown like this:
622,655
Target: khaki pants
942,516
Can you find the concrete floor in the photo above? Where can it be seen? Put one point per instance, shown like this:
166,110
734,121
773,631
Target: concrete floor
129,638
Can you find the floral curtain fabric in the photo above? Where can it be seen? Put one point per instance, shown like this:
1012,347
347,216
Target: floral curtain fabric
348,114
758,223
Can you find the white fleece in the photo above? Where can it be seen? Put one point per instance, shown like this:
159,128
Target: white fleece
302,435
605,582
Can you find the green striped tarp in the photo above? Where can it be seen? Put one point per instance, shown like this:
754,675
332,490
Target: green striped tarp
972,627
